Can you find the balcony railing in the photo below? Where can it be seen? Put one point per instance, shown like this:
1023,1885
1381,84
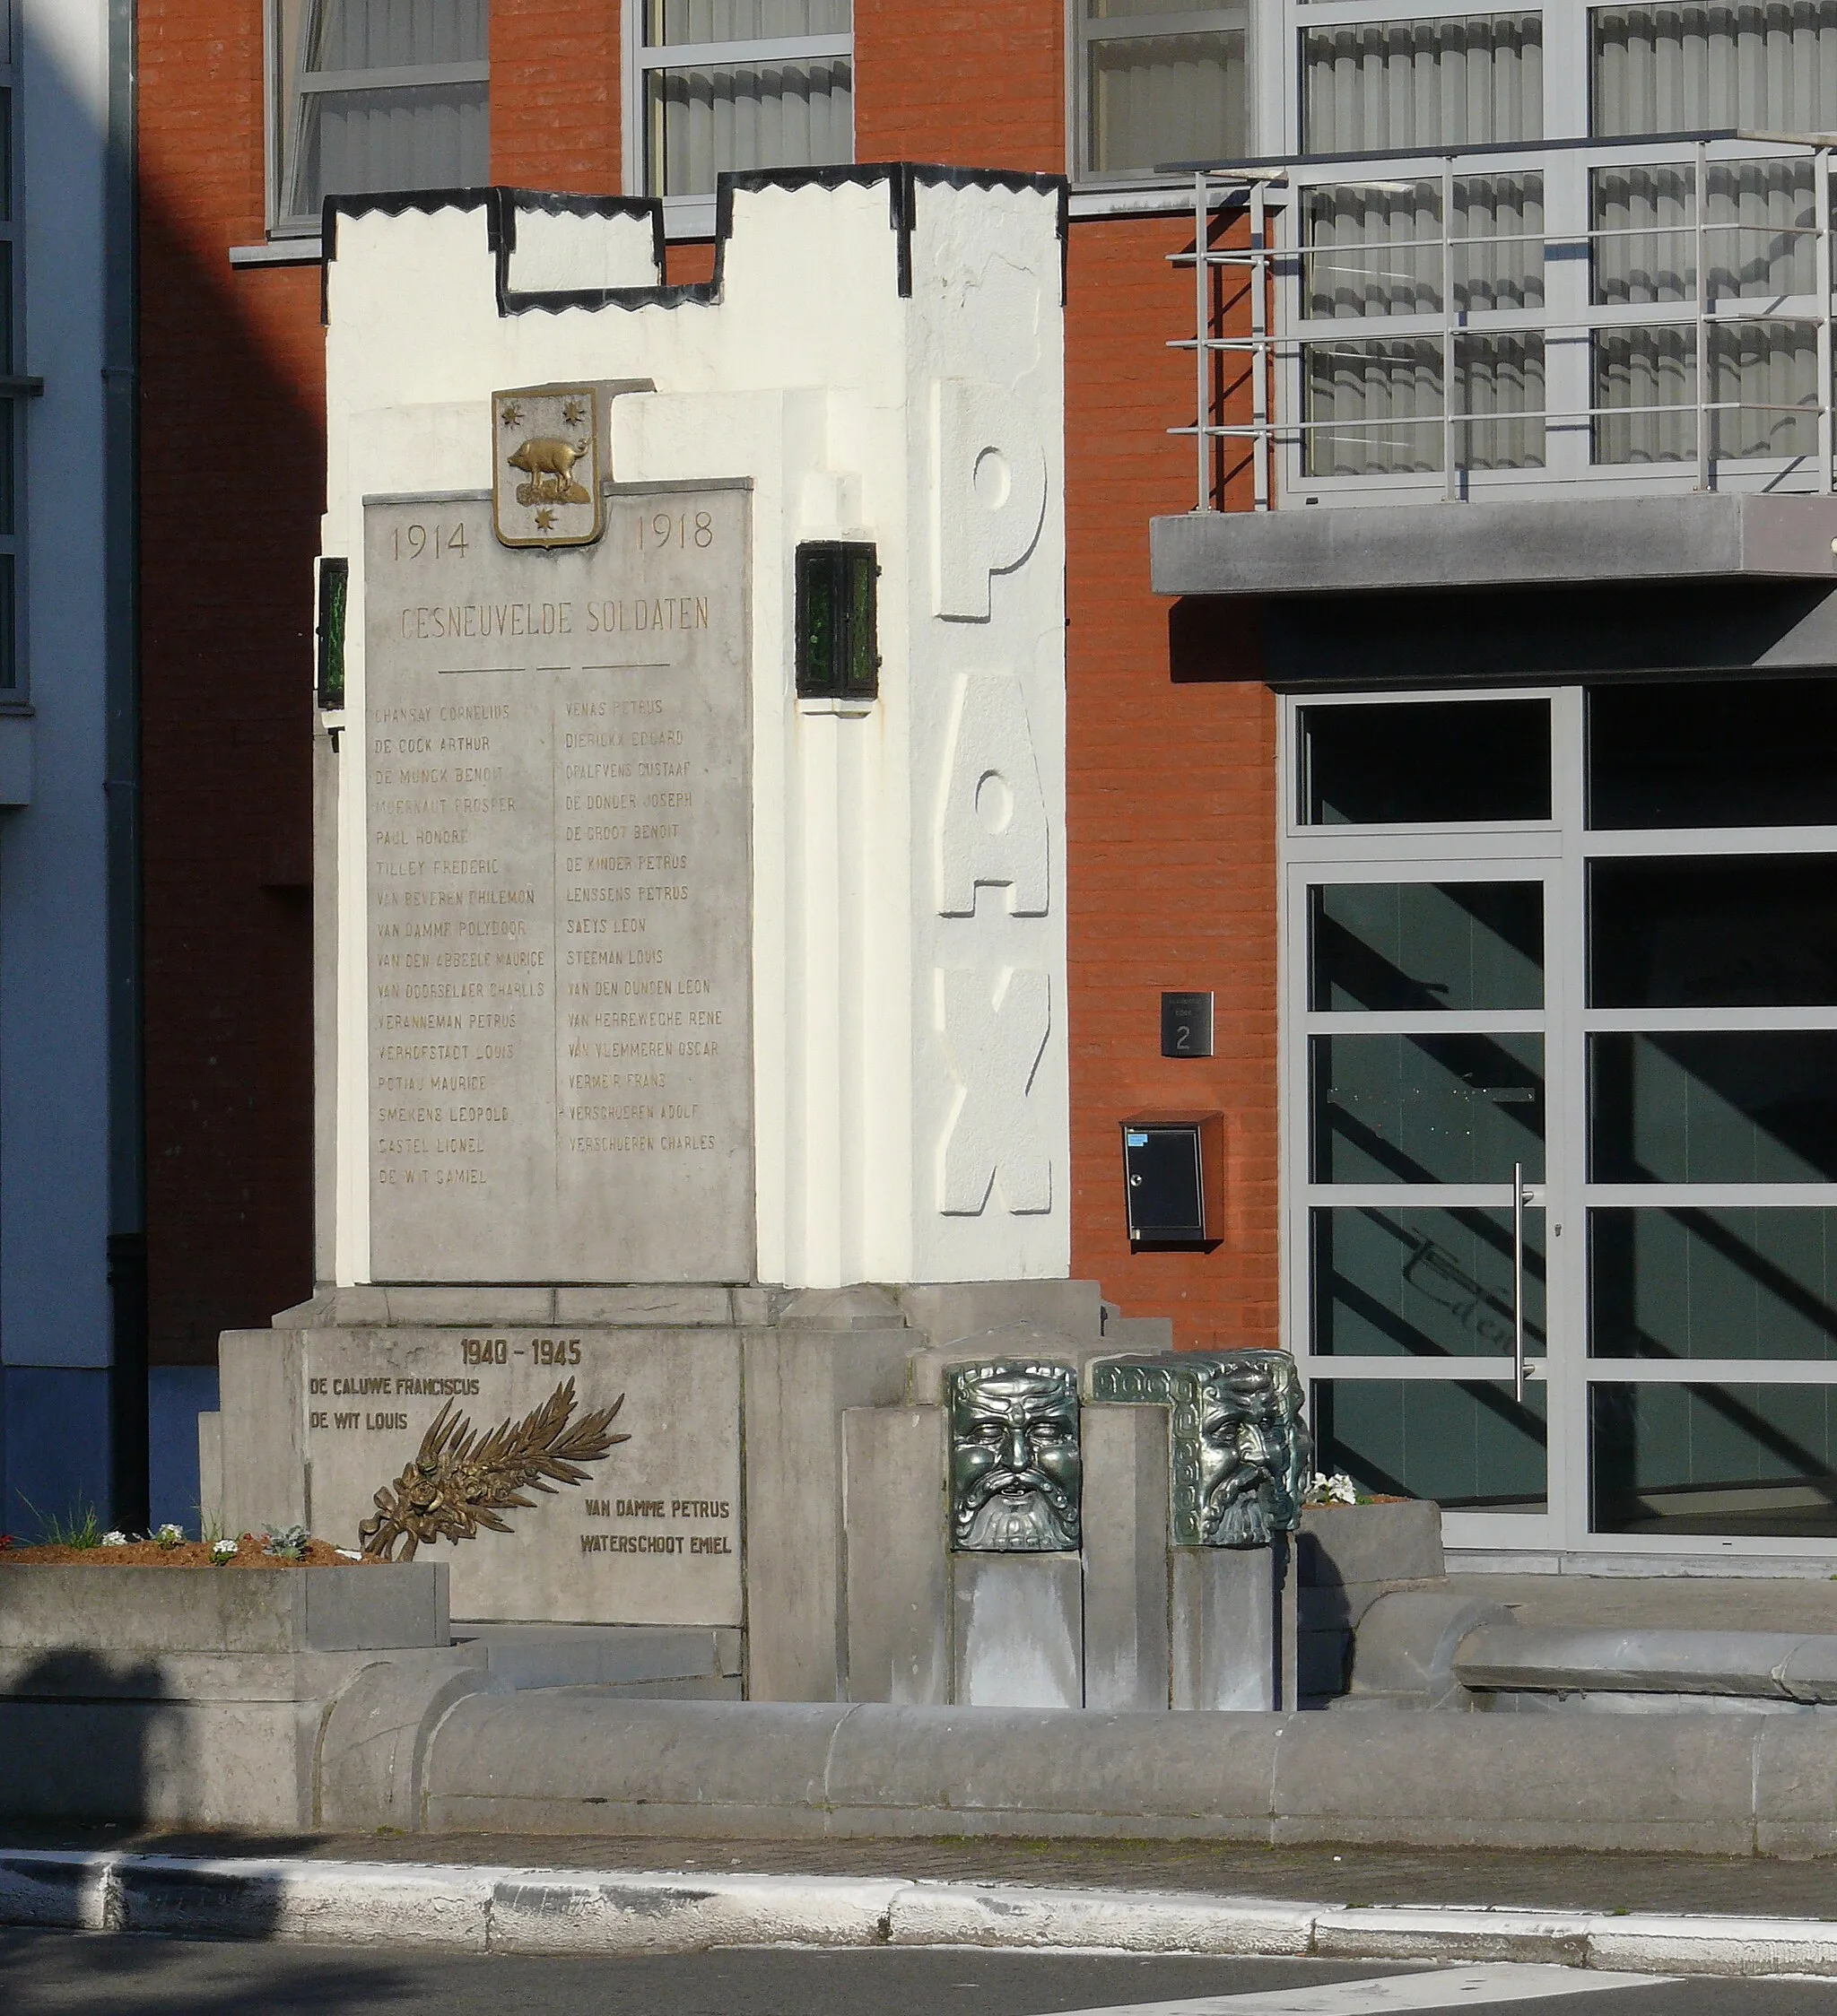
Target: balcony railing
1638,315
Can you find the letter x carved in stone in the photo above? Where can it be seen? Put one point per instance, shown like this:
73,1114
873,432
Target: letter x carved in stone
994,1030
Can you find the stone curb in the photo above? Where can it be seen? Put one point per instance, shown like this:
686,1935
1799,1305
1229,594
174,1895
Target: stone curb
489,1909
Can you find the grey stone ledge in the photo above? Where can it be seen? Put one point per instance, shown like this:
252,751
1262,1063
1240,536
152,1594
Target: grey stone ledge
667,1306
1563,541
140,1613
1776,1665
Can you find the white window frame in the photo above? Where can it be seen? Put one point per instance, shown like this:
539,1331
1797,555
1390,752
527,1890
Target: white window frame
281,132
692,216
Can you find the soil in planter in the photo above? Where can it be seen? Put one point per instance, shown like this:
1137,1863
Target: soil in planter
188,1553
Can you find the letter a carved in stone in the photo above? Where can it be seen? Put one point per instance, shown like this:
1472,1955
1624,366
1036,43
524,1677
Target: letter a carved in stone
992,828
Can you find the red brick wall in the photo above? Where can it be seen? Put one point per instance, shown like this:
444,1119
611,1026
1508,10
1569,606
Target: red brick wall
231,479
686,264
1171,785
555,99
977,86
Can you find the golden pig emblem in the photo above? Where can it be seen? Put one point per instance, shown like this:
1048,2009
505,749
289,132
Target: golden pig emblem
550,467
548,474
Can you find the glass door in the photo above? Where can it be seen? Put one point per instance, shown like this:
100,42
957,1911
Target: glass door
1424,1254
1425,1095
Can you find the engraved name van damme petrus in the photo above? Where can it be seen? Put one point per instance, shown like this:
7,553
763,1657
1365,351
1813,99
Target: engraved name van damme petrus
1016,1467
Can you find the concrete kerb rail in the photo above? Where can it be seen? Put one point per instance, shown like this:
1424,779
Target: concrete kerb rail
512,1910
568,1762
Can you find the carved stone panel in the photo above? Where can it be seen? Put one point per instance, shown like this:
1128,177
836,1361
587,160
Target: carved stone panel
435,1431
559,899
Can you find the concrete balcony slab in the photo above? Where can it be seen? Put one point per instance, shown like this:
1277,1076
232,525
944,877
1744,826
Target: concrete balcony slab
1562,541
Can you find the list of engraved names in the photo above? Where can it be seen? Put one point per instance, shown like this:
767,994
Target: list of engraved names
559,895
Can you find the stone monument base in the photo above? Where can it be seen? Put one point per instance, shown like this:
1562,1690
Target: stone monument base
625,1460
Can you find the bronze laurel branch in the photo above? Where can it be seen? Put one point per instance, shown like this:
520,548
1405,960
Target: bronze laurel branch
460,1481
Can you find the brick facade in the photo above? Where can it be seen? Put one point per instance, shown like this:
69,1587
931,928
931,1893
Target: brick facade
555,101
1171,799
232,457
1171,812
971,86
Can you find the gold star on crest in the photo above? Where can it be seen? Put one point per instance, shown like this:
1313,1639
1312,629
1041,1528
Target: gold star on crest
510,413
573,412
545,521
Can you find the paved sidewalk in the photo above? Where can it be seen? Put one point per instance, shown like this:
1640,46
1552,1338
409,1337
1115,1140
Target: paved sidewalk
1546,1880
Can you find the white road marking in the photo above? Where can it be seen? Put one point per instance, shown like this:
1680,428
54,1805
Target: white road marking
1448,1988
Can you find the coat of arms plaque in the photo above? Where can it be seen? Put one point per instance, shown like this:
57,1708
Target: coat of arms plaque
546,475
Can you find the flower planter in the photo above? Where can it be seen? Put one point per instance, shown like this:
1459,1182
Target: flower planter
195,1697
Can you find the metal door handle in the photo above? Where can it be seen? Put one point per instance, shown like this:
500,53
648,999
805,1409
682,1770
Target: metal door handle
1518,1278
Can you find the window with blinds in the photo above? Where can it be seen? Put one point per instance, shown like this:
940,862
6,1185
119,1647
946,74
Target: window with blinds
1682,68
1376,406
734,84
1458,80
1163,82
1759,243
374,95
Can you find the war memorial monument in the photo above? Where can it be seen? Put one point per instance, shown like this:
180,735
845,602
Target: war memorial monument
690,953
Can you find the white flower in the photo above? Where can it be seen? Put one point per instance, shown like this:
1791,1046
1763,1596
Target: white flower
222,1548
114,1538
170,1535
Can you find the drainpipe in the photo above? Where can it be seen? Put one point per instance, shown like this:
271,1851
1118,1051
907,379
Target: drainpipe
127,1242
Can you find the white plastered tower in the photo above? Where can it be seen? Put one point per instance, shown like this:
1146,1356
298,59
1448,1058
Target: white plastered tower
881,357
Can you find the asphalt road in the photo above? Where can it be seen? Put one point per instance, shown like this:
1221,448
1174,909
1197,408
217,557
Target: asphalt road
43,1972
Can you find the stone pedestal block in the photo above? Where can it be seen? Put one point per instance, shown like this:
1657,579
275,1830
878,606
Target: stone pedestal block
894,1511
1126,1557
1234,1628
1019,1631
798,1384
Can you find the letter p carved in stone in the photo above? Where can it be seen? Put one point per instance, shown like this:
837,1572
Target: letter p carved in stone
987,492
994,1035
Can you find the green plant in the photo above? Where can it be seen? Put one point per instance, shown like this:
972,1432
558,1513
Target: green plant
284,1544
170,1536
80,1530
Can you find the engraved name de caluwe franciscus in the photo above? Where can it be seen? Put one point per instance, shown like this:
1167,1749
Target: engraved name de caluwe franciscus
545,466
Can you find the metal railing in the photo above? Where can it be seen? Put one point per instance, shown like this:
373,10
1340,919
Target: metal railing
1257,429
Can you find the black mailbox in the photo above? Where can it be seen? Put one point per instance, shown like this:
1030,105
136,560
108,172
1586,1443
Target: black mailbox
1173,1169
